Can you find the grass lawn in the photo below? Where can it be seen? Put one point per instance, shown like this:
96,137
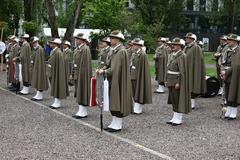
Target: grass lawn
208,57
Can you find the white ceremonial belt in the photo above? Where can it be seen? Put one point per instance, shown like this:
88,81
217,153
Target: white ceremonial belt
174,73
226,68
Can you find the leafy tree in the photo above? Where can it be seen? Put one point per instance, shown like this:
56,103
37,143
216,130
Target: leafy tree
31,27
154,18
226,16
106,15
10,12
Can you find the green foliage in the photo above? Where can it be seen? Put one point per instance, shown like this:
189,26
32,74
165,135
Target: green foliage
3,25
31,27
10,11
208,57
211,72
64,14
220,16
106,15
154,18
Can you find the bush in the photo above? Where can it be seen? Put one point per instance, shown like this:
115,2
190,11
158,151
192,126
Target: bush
31,27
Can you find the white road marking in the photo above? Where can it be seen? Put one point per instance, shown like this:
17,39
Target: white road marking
136,145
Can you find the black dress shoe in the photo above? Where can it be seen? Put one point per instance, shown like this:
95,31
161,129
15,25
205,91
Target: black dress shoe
230,118
20,93
176,124
159,92
79,117
34,99
137,113
12,89
113,130
226,117
106,129
169,122
53,107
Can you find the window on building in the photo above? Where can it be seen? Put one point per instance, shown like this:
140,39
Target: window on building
189,5
202,5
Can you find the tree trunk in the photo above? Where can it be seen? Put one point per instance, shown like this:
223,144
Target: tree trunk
52,18
231,15
29,10
72,23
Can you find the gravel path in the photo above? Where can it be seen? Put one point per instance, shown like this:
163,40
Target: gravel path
33,131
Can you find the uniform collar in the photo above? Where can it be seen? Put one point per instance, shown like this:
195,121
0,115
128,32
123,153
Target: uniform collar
115,47
54,49
35,48
234,48
138,50
25,42
176,53
190,44
161,46
80,46
65,49
106,48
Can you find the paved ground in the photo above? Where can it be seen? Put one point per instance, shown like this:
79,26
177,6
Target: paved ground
30,130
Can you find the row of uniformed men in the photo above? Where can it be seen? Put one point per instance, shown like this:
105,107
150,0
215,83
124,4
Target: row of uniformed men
227,64
183,73
228,71
30,69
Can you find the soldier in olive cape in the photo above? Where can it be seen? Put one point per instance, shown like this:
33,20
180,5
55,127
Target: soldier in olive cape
9,47
68,56
57,74
82,75
13,51
105,51
39,76
129,48
177,82
220,50
196,68
140,76
120,96
25,64
230,74
160,58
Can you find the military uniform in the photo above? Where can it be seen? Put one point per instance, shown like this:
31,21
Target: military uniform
57,75
120,93
196,69
14,51
25,64
141,79
177,73
230,61
161,58
221,49
39,76
68,57
233,72
102,60
82,76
